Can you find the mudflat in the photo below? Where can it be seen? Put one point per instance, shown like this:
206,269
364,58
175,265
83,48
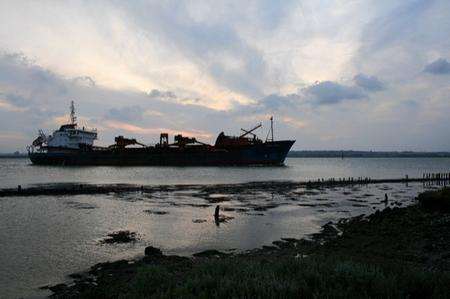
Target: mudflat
396,253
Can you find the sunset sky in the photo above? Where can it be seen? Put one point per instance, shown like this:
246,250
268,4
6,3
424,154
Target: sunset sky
363,75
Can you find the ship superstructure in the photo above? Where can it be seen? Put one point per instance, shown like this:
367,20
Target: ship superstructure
68,136
70,145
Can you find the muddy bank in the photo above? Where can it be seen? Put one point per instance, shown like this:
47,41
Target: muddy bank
276,186
397,252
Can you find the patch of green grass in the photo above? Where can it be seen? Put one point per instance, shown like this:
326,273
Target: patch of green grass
435,200
285,277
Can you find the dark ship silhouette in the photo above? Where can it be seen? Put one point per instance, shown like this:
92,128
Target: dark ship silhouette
70,145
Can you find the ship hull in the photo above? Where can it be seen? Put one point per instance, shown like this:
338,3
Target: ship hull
269,153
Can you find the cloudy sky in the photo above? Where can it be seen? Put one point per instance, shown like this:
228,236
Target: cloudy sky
365,75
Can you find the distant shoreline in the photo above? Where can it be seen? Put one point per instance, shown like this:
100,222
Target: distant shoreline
366,154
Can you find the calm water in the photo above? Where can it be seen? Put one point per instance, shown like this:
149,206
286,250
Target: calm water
44,238
19,171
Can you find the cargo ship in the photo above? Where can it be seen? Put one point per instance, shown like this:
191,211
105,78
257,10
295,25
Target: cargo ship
72,145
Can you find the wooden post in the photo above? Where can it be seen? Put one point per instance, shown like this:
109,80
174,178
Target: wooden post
217,212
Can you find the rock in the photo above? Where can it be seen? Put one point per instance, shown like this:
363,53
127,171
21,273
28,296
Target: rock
290,240
109,266
151,251
59,288
199,220
156,212
330,230
269,248
76,275
210,253
122,236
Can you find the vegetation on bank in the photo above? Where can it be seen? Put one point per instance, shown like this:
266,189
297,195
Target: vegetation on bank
285,277
395,253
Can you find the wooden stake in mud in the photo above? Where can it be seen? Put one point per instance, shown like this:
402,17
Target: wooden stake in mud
217,215
217,212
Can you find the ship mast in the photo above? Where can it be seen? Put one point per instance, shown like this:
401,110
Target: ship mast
271,131
271,126
73,118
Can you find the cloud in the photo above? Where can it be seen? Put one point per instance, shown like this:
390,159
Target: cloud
15,100
213,44
163,95
328,92
370,83
275,101
438,67
6,105
127,114
298,124
323,93
85,81
123,126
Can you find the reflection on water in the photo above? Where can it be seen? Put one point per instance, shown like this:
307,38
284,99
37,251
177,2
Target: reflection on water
44,238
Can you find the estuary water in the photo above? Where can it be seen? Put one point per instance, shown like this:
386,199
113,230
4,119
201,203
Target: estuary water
45,238
15,172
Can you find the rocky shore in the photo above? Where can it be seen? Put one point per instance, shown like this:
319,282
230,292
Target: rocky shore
397,253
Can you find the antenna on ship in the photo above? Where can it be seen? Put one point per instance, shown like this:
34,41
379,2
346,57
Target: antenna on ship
73,118
271,131
271,126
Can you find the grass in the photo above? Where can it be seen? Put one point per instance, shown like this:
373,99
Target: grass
285,277
435,200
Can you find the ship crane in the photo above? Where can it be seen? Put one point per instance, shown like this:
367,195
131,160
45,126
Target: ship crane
182,141
247,132
122,142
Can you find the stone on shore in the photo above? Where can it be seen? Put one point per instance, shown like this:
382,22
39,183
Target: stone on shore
210,253
151,251
122,236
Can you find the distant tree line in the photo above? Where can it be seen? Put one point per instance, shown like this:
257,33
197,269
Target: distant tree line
366,154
